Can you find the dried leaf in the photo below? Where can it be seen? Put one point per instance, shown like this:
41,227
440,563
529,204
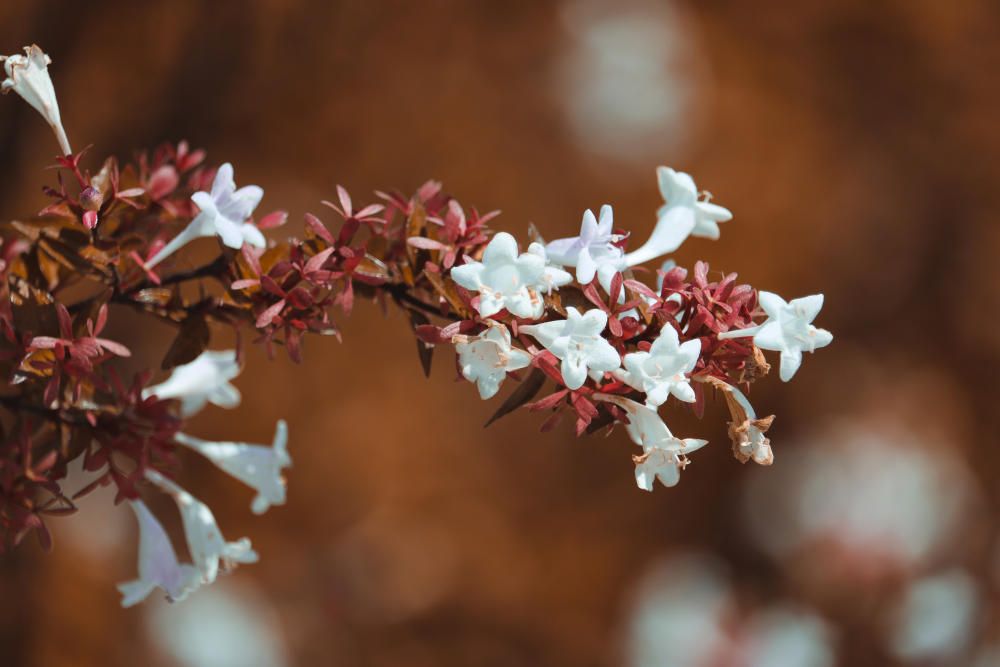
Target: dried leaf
525,392
192,339
448,291
424,351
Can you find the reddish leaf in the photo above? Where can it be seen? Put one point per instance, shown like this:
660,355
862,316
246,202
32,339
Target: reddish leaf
269,314
273,219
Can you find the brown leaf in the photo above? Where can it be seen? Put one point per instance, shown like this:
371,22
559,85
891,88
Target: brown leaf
415,227
372,268
525,392
191,340
446,288
424,351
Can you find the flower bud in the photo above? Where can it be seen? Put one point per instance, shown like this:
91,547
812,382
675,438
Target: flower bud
91,198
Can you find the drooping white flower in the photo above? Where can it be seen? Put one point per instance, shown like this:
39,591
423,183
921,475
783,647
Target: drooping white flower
158,565
578,344
258,466
746,429
593,252
664,369
681,216
205,541
788,329
485,359
28,76
224,213
506,279
204,380
664,455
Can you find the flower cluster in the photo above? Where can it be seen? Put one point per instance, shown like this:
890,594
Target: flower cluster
572,312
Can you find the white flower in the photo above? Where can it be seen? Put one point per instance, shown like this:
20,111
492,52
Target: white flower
158,565
505,279
28,76
664,455
257,466
205,541
224,213
681,216
664,369
788,329
553,277
204,380
486,358
593,252
578,343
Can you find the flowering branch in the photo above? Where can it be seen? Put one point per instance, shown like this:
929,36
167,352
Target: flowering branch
571,314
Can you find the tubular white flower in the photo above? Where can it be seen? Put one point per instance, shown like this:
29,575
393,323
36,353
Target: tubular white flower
205,541
204,380
486,358
593,252
506,279
664,369
258,466
664,455
788,329
28,76
158,565
224,213
577,342
681,216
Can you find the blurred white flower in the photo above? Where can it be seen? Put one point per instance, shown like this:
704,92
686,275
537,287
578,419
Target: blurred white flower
224,213
258,466
625,76
681,216
205,541
578,343
158,565
786,636
506,279
28,76
664,455
225,625
664,369
871,498
485,359
676,619
788,329
686,615
936,616
593,252
204,380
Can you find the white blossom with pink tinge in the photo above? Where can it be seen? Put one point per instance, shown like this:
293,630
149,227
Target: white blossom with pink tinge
224,213
158,564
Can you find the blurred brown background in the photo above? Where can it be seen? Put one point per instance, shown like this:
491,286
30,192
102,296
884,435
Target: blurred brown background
857,144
